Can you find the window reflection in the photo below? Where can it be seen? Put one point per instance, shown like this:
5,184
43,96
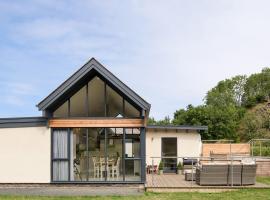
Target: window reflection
62,111
77,104
97,154
96,97
94,105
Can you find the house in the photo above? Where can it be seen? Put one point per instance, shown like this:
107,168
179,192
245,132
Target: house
93,130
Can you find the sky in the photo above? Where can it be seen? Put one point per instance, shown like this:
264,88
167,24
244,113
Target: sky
169,52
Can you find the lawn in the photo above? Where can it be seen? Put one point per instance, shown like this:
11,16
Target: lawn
237,195
263,179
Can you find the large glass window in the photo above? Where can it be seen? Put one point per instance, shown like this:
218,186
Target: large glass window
115,154
89,154
97,162
92,101
132,155
96,154
96,98
114,103
131,111
133,170
80,154
78,104
62,111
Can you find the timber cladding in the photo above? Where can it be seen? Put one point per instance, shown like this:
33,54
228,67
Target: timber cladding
217,148
96,123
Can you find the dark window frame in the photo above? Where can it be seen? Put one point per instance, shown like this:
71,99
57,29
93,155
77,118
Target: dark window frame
53,159
106,84
141,158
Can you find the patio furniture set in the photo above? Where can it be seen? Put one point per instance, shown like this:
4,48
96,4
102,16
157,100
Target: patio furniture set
217,173
226,174
237,172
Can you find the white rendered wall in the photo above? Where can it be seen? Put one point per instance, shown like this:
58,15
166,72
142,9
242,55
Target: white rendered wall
188,144
25,155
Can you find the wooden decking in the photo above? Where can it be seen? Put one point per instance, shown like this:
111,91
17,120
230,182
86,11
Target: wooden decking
178,181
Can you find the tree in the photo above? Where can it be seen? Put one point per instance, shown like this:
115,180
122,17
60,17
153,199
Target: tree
257,88
225,109
165,121
221,112
227,92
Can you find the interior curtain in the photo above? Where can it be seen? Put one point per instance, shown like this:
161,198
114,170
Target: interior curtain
60,144
60,151
60,171
72,145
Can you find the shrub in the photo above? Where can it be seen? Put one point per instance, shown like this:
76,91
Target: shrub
179,166
160,166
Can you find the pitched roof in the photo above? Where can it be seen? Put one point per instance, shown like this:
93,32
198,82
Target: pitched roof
93,65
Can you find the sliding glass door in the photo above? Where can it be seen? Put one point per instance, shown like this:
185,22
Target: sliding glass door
96,155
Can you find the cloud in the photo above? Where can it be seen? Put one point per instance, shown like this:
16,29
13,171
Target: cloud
14,100
15,93
169,53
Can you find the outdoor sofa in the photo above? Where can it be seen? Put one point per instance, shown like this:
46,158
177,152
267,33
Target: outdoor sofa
222,173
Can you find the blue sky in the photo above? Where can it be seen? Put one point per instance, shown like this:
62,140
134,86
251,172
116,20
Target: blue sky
170,52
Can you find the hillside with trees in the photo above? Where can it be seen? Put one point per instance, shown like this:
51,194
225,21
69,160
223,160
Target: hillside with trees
237,108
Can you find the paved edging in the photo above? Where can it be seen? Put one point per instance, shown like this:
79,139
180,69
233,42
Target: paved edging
68,190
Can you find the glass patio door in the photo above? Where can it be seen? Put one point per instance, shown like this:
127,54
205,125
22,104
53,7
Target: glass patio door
168,152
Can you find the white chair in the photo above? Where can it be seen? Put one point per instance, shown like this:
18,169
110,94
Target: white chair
96,167
103,168
115,168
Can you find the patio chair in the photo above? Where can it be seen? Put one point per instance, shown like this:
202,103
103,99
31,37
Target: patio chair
103,168
96,167
152,169
116,168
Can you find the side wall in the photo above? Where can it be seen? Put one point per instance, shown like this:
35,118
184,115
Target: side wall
25,155
188,144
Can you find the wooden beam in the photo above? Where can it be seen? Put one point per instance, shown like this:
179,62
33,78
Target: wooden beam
96,123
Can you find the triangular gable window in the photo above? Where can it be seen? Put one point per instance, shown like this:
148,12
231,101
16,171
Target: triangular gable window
96,99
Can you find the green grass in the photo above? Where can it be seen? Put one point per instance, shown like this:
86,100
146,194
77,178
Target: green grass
237,195
263,179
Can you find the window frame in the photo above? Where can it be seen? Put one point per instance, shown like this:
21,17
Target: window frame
87,100
141,158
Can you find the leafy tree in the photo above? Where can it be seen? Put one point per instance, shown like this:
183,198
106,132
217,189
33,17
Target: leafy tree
165,121
221,112
257,88
227,92
225,109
